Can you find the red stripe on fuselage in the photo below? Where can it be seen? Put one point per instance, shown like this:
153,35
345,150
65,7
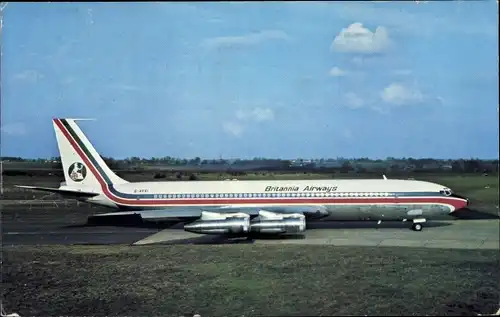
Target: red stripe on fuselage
318,201
322,201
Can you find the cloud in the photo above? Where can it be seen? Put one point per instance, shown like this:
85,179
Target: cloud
215,20
358,39
257,114
417,21
15,129
238,126
244,40
29,76
393,95
125,87
233,128
353,101
337,72
347,133
401,72
90,16
399,95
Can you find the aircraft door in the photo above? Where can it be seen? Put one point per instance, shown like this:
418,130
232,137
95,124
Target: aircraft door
400,207
396,198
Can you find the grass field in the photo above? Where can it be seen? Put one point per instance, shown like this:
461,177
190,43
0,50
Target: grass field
244,280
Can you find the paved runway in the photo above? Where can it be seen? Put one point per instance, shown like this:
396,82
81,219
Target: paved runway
67,236
460,234
50,225
64,226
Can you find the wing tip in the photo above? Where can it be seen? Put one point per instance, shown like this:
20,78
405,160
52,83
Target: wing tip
24,186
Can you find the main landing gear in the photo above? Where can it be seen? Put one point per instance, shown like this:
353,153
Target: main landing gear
417,224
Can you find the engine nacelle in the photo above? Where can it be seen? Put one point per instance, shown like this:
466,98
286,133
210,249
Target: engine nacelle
217,223
273,223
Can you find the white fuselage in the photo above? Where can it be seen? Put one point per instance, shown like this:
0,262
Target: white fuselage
343,199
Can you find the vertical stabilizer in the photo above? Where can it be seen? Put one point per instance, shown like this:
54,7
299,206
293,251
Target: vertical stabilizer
81,163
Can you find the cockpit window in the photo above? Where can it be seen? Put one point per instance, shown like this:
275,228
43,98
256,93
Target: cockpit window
446,192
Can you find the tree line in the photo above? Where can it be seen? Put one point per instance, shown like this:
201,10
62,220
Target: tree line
343,165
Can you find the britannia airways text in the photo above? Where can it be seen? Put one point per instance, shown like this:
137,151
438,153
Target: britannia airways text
326,189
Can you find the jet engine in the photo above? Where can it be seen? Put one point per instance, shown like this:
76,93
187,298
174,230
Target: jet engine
273,223
217,223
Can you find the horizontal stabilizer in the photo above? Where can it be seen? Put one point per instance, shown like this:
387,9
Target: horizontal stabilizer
64,192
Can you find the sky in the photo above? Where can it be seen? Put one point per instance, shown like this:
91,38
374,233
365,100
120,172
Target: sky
255,79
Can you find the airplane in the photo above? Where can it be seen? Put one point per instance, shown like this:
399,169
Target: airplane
234,207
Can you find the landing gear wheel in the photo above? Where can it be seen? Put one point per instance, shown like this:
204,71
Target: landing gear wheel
416,227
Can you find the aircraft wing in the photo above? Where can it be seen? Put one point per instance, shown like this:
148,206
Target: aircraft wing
171,214
65,192
156,214
192,213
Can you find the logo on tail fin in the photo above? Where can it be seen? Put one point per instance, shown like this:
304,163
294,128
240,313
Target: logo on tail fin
77,172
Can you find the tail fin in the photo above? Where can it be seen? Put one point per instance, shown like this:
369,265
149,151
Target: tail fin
82,165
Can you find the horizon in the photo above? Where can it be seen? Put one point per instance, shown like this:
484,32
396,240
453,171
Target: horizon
269,158
244,80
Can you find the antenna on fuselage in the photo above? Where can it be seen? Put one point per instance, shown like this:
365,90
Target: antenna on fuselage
384,177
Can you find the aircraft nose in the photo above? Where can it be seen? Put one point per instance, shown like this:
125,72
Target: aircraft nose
464,201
